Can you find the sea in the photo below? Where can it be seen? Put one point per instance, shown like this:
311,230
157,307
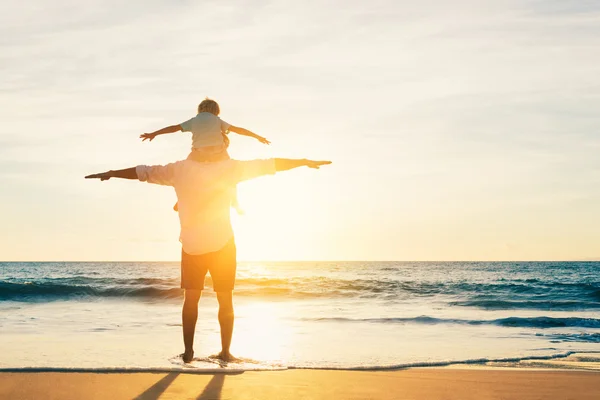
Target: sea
321,315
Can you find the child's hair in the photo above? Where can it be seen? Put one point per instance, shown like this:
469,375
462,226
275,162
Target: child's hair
210,106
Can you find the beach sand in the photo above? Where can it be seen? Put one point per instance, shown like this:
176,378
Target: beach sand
425,383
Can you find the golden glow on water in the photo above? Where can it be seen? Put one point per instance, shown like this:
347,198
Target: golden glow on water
261,333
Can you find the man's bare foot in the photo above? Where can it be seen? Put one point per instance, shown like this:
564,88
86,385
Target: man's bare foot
188,356
227,357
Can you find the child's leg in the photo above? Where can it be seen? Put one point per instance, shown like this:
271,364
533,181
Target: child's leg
235,203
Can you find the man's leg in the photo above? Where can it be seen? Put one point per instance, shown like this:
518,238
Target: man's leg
226,318
189,316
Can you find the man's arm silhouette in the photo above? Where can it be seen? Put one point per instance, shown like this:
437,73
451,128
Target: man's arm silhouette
281,164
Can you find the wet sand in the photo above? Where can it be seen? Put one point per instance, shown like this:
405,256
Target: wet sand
434,383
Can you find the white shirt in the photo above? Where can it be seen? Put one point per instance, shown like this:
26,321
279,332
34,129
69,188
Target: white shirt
204,192
207,130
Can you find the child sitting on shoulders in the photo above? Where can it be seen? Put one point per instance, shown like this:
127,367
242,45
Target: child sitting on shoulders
209,136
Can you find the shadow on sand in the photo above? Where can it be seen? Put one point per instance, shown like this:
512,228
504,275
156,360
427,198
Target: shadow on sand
212,391
213,388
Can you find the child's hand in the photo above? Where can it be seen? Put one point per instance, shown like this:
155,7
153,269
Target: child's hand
263,140
149,136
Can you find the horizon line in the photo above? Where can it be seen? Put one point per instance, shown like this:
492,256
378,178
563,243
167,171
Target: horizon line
597,259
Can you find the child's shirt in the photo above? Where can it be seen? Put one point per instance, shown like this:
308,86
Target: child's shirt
207,130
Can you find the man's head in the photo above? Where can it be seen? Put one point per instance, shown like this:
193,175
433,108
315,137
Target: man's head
210,106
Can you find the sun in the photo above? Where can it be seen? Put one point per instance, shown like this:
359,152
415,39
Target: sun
279,223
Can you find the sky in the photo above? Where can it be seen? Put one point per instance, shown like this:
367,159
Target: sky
462,130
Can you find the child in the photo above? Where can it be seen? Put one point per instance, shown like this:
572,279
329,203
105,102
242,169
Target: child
209,138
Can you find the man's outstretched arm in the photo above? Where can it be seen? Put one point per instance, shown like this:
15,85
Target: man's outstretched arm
281,164
254,168
128,173
157,174
284,164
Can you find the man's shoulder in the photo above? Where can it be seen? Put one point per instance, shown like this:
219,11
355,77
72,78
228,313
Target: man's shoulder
233,164
174,164
214,166
226,170
268,163
250,169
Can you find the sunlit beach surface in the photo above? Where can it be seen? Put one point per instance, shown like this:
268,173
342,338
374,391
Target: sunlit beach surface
493,330
444,384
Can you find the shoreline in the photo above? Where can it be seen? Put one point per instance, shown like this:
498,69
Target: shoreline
224,371
569,361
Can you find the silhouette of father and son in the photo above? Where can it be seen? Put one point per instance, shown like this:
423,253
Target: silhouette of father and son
205,184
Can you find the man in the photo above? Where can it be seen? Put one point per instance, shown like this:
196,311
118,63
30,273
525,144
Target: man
204,192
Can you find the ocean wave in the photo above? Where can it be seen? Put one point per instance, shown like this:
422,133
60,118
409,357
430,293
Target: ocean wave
557,305
44,291
502,294
426,364
389,367
573,337
516,322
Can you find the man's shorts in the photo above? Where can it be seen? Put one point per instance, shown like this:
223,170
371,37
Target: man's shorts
221,264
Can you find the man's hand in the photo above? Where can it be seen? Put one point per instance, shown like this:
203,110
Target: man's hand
263,140
127,173
316,164
284,164
148,136
103,176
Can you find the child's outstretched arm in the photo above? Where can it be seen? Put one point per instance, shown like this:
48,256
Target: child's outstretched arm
246,132
168,129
